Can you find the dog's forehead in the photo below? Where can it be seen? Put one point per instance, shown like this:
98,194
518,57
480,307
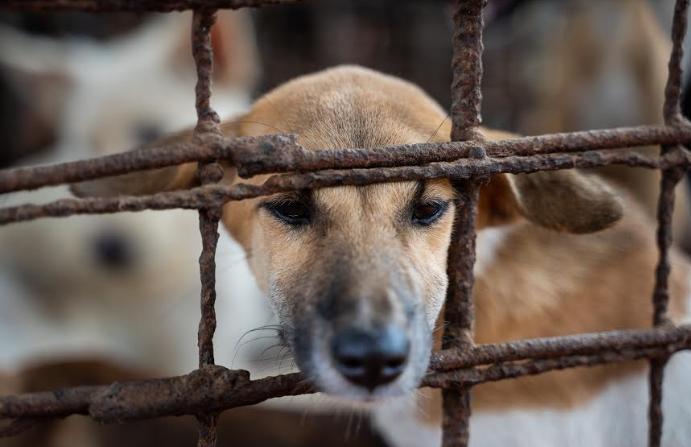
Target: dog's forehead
348,107
382,198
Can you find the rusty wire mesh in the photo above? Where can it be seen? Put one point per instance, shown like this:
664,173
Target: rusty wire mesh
460,365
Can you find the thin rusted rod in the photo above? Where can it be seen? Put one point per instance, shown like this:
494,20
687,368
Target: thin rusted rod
133,5
572,345
466,65
209,173
281,153
672,109
469,377
670,178
137,160
215,195
212,388
285,158
466,100
215,388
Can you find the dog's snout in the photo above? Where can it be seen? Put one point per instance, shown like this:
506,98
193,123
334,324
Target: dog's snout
370,358
112,250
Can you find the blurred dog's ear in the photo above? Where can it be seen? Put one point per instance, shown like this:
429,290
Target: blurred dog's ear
567,201
140,183
144,182
155,180
236,62
37,80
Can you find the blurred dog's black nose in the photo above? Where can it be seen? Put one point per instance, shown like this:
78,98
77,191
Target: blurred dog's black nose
370,358
113,250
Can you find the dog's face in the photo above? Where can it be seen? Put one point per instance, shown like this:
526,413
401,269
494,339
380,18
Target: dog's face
357,275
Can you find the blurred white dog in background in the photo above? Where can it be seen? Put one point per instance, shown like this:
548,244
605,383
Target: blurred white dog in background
122,286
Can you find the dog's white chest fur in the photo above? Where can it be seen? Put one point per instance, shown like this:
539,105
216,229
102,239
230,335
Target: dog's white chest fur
616,417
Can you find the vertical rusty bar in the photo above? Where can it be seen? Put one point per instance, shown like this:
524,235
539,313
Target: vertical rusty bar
665,211
466,98
206,132
672,109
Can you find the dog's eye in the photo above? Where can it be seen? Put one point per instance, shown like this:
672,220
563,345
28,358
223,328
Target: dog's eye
291,212
146,133
426,213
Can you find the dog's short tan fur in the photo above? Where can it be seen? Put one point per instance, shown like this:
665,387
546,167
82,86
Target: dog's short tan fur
541,281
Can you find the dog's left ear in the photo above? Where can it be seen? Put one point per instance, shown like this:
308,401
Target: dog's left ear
566,200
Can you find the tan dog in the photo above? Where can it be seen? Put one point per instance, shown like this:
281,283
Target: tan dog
357,275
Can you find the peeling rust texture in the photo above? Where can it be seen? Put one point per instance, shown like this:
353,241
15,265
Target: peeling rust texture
207,129
214,388
466,100
134,5
467,161
281,153
216,195
466,95
556,347
670,178
672,110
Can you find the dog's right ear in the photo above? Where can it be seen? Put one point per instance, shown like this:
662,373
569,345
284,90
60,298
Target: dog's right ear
155,180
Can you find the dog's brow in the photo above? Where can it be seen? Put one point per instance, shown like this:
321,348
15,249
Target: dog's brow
304,196
420,189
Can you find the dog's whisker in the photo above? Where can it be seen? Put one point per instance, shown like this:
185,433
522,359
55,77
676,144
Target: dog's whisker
440,327
280,115
437,129
237,349
255,122
268,327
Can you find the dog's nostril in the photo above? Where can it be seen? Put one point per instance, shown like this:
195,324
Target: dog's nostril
352,362
370,358
395,362
112,250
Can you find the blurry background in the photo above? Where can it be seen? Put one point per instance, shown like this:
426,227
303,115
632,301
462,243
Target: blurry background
102,298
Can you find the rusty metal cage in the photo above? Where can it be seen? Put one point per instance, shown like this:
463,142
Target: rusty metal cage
461,364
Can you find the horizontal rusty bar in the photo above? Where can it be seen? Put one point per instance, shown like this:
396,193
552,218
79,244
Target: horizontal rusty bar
287,158
215,388
281,153
134,5
467,377
137,160
573,345
216,195
207,389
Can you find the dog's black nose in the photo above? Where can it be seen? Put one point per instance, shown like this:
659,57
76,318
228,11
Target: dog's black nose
370,358
113,250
